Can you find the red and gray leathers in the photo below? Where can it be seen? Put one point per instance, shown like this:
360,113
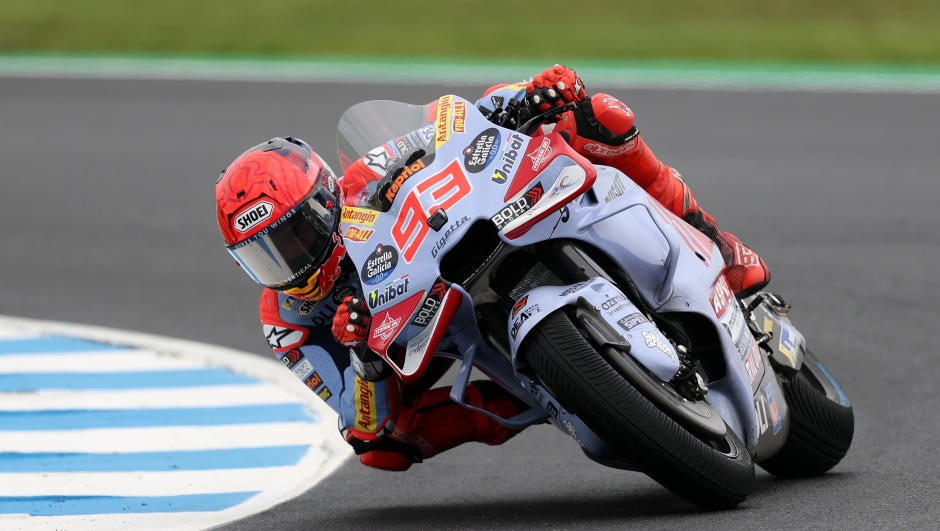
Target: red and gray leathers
391,424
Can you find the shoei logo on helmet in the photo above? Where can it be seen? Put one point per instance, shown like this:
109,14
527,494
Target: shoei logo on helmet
253,216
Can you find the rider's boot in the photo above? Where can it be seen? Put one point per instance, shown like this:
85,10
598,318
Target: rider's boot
602,130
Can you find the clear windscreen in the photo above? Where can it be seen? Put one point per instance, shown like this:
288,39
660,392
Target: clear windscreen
370,124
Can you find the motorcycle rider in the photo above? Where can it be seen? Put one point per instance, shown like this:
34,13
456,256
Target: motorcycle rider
279,206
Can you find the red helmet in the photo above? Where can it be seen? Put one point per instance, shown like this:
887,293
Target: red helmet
278,207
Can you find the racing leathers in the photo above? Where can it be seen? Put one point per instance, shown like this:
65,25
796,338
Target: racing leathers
391,424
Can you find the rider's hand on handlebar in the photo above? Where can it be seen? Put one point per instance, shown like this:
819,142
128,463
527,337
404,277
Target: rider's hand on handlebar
555,87
351,322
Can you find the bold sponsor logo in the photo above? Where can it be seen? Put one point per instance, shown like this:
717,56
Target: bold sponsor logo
552,410
306,308
520,304
253,216
572,289
391,291
365,405
291,357
460,116
281,337
302,369
481,151
442,130
361,216
523,317
774,412
387,327
442,190
439,245
602,150
721,296
340,294
508,157
430,305
325,393
400,179
313,381
518,207
612,302
652,340
379,265
541,154
616,190
632,321
358,234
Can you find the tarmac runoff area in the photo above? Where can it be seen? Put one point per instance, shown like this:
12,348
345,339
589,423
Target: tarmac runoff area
102,429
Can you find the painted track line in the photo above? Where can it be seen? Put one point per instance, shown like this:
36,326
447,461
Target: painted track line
411,71
163,433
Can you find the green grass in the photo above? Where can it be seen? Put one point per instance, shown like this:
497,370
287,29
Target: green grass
824,31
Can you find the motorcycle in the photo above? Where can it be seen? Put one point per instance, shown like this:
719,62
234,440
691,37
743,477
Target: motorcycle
569,286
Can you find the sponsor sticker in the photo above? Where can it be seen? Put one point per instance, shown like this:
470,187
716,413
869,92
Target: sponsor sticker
520,304
313,381
391,291
439,244
768,325
616,190
442,129
529,311
787,342
288,303
481,151
291,357
552,410
379,265
362,216
253,216
400,179
341,292
720,296
753,363
541,154
430,305
508,158
387,327
358,234
497,102
302,369
306,308
632,321
774,411
518,207
364,402
566,182
325,393
602,150
460,116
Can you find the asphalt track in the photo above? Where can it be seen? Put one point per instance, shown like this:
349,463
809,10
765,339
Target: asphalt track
106,215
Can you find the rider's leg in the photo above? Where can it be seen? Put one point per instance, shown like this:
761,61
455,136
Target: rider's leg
604,133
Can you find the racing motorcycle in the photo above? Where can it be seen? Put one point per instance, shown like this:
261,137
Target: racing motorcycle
569,286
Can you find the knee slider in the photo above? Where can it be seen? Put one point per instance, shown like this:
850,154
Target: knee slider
382,460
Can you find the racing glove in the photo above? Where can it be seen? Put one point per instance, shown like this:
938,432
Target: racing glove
351,322
555,87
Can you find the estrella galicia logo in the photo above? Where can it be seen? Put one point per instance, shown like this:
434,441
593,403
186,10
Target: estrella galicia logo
379,265
481,151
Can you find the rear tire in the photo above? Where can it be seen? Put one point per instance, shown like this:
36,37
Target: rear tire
821,428
712,475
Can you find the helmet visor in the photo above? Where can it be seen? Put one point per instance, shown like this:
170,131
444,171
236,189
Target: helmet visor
280,255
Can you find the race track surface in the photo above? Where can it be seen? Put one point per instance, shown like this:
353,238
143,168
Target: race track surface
106,209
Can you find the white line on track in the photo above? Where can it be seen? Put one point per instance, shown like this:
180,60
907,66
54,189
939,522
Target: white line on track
105,361
214,396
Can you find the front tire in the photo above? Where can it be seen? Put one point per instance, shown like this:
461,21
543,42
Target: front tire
712,475
821,424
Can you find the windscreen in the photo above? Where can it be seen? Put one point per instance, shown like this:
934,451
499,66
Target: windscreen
370,124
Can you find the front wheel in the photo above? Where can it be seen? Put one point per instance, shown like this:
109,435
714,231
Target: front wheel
821,423
711,474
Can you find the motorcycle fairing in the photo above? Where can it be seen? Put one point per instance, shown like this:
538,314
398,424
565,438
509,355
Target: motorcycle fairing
648,345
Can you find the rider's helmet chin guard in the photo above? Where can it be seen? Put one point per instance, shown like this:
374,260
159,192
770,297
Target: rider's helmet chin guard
278,207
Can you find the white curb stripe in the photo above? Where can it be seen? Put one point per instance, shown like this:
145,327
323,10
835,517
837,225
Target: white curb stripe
167,438
216,396
93,362
211,491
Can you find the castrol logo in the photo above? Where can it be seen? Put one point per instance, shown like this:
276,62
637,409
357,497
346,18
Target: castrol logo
255,214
